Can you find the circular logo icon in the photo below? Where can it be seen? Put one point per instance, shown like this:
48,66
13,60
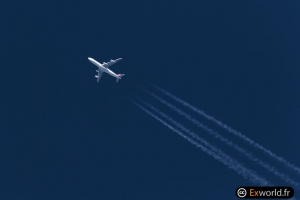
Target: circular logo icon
241,192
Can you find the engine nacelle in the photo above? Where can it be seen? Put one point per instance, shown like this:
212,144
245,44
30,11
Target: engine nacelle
97,70
96,76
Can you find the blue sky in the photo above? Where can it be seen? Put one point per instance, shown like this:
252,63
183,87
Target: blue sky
65,136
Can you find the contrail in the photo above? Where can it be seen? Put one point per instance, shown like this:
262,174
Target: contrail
247,174
249,155
229,129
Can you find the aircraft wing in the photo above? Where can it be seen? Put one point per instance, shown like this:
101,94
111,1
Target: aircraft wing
111,62
99,75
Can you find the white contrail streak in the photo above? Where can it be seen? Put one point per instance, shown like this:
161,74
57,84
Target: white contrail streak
249,155
226,160
229,129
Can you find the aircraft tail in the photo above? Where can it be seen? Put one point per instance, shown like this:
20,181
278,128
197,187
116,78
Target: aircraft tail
119,77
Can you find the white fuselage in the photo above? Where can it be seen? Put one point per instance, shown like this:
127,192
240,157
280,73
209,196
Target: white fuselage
104,69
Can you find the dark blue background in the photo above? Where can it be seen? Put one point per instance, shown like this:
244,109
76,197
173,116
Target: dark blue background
65,136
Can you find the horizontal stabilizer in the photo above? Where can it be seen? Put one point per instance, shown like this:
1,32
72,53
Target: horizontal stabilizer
119,77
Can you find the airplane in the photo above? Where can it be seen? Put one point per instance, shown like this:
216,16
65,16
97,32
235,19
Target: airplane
104,68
